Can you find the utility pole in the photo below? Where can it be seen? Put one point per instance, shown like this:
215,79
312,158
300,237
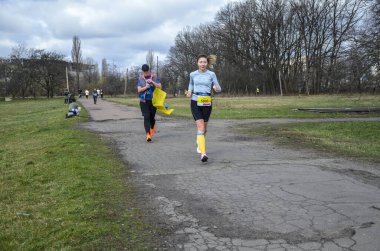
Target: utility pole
157,66
125,83
279,78
67,80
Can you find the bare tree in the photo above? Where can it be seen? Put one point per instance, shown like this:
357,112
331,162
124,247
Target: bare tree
370,40
5,71
91,72
150,59
20,71
343,16
313,25
104,71
52,70
76,57
133,76
114,84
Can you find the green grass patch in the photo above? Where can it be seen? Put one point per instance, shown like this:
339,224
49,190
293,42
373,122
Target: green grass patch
358,139
62,188
355,139
269,106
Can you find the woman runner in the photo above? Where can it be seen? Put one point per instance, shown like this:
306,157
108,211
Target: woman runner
202,82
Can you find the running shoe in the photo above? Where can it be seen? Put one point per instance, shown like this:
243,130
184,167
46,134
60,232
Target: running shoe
152,130
148,138
204,158
198,151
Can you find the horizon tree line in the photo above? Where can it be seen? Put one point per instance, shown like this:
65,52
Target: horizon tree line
287,46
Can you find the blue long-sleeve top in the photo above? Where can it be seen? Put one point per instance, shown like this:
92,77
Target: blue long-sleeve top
202,83
148,94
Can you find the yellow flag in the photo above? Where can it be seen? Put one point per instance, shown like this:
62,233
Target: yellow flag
158,101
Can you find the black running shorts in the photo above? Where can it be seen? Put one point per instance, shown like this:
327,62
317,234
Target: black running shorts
200,112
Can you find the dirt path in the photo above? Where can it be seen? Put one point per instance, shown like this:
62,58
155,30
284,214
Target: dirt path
251,195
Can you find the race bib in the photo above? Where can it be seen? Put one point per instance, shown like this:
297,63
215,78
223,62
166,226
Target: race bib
204,100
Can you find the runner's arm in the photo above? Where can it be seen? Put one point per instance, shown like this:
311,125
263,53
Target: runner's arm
215,84
190,88
156,83
141,87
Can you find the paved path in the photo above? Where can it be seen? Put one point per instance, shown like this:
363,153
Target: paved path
251,195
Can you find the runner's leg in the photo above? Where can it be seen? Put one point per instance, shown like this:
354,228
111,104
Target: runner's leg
145,110
152,119
200,135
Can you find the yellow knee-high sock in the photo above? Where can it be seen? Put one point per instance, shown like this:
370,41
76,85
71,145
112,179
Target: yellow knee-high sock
201,142
205,138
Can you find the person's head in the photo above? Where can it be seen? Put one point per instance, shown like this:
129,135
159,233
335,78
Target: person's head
145,68
204,61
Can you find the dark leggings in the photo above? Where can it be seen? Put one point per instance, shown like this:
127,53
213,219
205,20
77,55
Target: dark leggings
149,112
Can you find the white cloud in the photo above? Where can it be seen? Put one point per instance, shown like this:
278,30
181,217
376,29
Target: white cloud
7,43
120,31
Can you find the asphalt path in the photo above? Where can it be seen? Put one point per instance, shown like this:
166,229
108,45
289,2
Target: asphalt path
251,194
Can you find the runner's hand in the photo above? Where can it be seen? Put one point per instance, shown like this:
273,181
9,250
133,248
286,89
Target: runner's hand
189,94
217,88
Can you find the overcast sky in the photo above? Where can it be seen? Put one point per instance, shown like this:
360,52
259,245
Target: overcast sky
122,31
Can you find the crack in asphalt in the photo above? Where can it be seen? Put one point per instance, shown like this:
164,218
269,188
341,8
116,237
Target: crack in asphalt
251,195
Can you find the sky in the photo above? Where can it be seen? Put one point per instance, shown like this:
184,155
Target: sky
122,31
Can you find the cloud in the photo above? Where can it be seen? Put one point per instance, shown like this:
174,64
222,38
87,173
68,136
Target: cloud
120,31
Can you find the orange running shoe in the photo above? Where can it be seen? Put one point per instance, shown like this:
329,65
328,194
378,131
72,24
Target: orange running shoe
152,130
148,138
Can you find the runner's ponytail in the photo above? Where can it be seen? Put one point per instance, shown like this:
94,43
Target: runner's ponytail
211,60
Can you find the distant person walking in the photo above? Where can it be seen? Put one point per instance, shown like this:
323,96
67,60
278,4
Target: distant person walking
95,96
66,93
87,93
202,82
145,86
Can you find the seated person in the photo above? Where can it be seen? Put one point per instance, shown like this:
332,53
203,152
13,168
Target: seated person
74,110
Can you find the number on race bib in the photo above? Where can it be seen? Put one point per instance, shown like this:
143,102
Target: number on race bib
204,101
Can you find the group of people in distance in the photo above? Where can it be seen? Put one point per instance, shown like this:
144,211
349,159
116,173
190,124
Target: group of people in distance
95,94
74,109
202,83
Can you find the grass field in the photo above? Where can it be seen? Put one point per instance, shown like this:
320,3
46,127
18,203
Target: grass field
354,139
62,188
268,106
